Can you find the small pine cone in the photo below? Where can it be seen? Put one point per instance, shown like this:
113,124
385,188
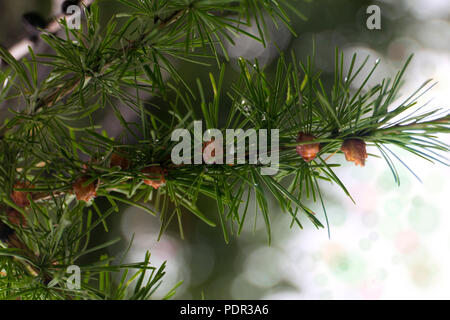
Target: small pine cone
156,176
119,161
16,218
355,151
20,198
307,151
85,192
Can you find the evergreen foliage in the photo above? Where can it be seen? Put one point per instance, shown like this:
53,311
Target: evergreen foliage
56,161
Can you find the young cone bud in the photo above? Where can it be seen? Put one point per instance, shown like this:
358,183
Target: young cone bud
307,151
84,192
20,198
118,161
355,151
156,176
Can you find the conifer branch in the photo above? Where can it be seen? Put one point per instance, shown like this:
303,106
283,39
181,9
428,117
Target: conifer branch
49,191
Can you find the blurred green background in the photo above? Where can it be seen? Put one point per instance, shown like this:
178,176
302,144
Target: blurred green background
394,243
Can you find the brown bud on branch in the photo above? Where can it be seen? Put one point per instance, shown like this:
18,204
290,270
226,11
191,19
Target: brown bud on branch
307,151
119,161
156,176
355,151
85,192
20,198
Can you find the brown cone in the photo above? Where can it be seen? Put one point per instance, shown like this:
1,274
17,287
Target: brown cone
20,198
307,151
156,176
84,192
119,161
355,151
